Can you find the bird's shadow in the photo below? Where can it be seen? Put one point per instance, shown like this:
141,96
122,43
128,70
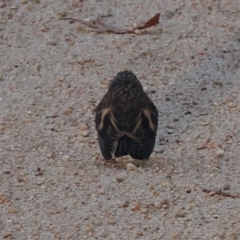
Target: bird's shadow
194,94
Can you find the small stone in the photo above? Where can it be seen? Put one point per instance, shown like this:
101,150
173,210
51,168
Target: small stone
180,213
145,88
62,14
232,105
85,133
158,205
125,204
135,26
131,167
151,188
86,106
20,177
84,139
3,4
105,82
68,111
12,210
83,126
101,191
235,91
220,152
50,155
212,193
52,42
89,230
13,7
144,211
138,32
44,29
140,233
119,179
226,187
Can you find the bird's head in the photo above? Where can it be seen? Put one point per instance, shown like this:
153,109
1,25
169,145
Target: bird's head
125,80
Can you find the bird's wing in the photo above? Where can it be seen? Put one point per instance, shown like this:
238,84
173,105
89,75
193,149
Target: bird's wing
144,133
108,131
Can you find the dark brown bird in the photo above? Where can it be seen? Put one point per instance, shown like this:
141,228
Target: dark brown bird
126,119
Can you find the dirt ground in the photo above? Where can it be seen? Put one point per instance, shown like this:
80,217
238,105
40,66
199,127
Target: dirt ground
53,182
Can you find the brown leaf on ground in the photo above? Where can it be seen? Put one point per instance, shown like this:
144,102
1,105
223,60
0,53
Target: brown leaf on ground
99,26
151,22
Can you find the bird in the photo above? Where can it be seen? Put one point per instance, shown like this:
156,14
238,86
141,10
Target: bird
126,119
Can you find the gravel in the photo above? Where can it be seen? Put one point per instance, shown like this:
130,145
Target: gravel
54,183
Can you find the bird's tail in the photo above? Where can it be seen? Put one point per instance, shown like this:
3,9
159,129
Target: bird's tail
128,146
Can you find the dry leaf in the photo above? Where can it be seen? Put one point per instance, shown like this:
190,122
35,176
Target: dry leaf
136,207
150,23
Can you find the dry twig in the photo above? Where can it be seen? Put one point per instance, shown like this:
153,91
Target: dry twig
221,193
99,26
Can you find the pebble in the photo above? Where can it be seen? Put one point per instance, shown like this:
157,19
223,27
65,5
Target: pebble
13,7
101,191
145,211
3,4
220,152
131,167
212,194
83,126
135,26
86,106
138,32
52,42
62,14
145,88
232,105
85,133
105,82
125,204
12,210
68,111
226,187
158,205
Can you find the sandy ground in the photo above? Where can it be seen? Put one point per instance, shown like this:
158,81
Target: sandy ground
53,182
